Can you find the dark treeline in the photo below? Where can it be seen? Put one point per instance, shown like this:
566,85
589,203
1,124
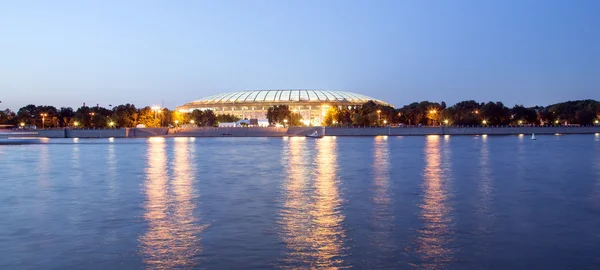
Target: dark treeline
99,117
581,112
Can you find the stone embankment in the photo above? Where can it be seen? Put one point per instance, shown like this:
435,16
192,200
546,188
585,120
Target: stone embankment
292,131
86,133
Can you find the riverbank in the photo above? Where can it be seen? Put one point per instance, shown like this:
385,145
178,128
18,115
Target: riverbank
291,132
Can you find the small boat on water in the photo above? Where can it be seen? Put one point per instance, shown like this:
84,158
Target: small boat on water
533,136
315,134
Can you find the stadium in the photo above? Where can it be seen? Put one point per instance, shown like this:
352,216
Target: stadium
311,104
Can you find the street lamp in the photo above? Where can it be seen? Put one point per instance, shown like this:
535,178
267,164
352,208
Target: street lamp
433,112
43,118
92,118
284,122
385,121
111,124
192,121
75,123
596,122
22,124
520,122
476,112
446,121
484,122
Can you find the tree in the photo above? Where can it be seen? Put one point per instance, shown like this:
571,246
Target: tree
148,117
585,117
464,113
224,118
495,113
520,114
125,115
28,114
65,116
204,118
180,118
8,117
278,113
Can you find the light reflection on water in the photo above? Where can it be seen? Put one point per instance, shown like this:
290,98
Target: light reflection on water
171,240
311,218
434,240
383,216
351,202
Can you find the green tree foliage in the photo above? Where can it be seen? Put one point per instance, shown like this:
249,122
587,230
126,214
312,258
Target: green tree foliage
149,117
525,115
225,118
8,117
65,116
463,113
575,112
424,112
125,115
205,118
495,113
278,113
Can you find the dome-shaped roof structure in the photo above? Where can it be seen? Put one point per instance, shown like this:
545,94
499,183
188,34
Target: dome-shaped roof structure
287,97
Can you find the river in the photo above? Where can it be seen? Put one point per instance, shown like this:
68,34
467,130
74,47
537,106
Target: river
432,202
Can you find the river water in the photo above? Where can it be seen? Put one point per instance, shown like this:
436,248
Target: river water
433,202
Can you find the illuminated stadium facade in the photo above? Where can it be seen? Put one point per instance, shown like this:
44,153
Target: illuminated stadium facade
311,104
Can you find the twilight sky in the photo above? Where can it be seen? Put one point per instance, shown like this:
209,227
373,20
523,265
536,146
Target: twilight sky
64,53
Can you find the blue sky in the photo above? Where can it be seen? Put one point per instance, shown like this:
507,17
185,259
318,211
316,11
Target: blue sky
64,53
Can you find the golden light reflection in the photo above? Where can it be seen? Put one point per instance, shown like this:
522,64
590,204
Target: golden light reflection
112,169
484,187
329,235
436,233
171,240
311,220
382,203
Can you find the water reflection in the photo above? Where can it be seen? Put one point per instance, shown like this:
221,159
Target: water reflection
436,234
311,217
296,222
112,169
484,185
171,240
382,203
329,235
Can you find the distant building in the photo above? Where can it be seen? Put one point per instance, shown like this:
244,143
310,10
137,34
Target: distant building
311,104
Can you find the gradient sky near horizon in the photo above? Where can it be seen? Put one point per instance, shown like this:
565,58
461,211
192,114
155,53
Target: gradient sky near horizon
64,53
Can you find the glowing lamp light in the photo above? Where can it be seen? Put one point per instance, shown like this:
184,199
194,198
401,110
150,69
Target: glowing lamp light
385,121
476,112
446,121
22,124
111,123
484,122
556,122
306,122
75,123
285,120
596,122
520,122
192,121
432,111
176,121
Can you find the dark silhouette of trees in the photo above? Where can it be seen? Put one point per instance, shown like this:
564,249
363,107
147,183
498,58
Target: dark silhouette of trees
469,112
